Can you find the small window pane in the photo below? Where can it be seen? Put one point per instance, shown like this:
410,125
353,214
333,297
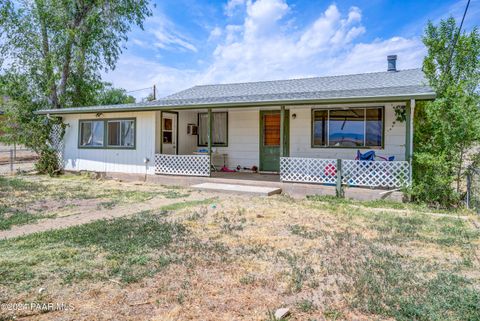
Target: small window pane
347,128
167,124
271,129
91,133
320,127
128,133
114,133
219,129
374,129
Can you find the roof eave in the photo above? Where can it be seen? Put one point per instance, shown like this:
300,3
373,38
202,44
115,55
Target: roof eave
153,107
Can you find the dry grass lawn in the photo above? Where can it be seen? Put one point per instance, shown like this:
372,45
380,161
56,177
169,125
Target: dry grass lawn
236,257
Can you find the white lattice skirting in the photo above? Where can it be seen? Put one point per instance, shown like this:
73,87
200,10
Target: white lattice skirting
384,174
308,170
57,143
188,165
376,173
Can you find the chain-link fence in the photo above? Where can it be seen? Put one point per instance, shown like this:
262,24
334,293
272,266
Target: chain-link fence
14,159
473,189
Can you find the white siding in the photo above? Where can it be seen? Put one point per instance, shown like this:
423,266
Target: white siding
243,140
112,160
187,144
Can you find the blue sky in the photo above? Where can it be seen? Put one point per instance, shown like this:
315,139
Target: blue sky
188,42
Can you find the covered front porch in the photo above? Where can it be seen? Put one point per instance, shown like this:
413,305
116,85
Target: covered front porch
311,144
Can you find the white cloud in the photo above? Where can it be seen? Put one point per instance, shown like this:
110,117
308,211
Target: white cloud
232,5
134,72
268,45
166,35
215,33
264,47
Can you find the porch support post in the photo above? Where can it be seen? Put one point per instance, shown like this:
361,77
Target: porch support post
412,114
410,106
282,131
338,187
210,137
407,131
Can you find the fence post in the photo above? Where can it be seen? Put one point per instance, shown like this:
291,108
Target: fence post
11,160
339,189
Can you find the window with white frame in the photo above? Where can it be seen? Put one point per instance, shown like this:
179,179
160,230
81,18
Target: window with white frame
348,128
219,129
107,133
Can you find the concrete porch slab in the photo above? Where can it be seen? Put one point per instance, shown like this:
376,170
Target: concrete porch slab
243,189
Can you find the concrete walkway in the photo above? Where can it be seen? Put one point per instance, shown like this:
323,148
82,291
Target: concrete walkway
83,218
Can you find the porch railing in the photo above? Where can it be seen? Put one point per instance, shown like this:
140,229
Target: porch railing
308,170
188,165
385,174
389,174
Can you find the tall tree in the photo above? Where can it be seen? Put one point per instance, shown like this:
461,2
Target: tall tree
62,45
52,53
448,127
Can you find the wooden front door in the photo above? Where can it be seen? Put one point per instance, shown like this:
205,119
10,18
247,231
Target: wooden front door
270,140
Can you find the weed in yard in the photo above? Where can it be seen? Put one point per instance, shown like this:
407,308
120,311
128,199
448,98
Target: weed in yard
231,225
174,194
306,305
304,232
106,205
299,271
185,204
247,279
10,217
333,314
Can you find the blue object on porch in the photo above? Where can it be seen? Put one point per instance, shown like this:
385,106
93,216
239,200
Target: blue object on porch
203,150
368,156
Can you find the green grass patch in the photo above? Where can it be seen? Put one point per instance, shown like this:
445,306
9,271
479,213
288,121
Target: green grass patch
127,249
186,204
10,217
387,284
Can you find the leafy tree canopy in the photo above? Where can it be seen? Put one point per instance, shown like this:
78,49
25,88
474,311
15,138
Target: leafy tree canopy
52,53
446,129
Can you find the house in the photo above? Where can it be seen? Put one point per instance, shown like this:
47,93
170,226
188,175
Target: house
305,129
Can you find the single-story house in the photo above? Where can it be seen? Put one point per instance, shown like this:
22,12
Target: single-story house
306,130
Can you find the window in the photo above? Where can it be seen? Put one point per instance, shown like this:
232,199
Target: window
219,129
348,128
107,133
91,133
120,133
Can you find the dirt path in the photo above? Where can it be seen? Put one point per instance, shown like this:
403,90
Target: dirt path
83,218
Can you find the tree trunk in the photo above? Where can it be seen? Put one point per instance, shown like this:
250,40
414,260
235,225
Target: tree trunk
459,170
46,55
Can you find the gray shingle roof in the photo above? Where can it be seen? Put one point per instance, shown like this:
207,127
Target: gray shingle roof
403,84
